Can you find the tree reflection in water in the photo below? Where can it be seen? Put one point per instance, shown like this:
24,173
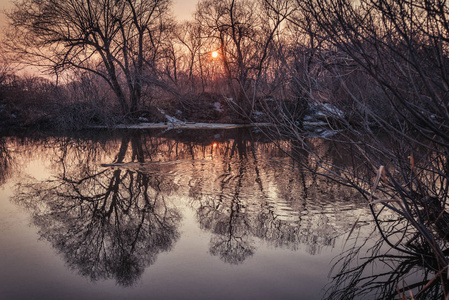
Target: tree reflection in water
110,210
255,198
108,223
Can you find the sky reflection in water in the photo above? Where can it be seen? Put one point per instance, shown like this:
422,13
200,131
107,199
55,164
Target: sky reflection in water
199,215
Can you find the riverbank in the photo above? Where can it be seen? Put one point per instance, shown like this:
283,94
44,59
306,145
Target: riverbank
181,125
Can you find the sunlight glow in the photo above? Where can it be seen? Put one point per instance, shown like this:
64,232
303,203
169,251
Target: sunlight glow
214,54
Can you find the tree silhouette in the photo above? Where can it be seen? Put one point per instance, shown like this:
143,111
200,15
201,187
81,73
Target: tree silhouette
120,41
244,32
366,270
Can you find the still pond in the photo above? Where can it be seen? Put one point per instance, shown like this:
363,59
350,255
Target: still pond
215,214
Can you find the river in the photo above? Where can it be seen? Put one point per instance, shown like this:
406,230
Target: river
192,214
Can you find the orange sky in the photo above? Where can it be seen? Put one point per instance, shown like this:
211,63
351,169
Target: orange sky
183,9
4,4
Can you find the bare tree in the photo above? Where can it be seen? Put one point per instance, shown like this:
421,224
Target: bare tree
382,68
116,40
189,36
243,32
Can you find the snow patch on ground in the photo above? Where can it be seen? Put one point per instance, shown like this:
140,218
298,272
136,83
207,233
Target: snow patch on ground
218,107
168,117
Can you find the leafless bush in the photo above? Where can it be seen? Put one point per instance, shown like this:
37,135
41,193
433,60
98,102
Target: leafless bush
382,68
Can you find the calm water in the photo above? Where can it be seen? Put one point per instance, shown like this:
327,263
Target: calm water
187,215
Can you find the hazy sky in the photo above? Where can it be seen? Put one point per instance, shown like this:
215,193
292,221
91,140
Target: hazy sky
183,9
4,4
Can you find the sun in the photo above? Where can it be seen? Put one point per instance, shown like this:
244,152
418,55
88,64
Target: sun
214,54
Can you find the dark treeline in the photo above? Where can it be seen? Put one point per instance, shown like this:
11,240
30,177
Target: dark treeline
377,71
382,64
111,62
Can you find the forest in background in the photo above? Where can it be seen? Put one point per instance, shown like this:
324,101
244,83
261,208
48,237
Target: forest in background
374,72
108,63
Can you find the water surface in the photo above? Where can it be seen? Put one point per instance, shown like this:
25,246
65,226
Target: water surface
177,215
